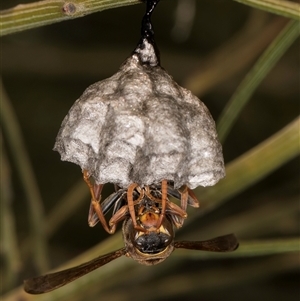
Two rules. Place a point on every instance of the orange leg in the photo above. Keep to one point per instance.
(131, 204)
(176, 210)
(184, 197)
(195, 203)
(164, 194)
(177, 214)
(95, 191)
(93, 218)
(150, 196)
(188, 197)
(118, 216)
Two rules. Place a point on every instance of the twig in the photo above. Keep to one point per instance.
(26, 16)
(36, 14)
(18, 150)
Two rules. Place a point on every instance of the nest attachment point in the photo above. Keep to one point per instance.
(139, 126)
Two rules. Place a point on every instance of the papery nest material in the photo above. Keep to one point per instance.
(139, 126)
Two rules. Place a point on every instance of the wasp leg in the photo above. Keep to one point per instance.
(177, 214)
(131, 203)
(118, 216)
(164, 195)
(147, 191)
(184, 197)
(188, 197)
(192, 200)
(115, 201)
(93, 217)
(95, 207)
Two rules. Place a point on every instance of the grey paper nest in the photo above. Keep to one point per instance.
(139, 126)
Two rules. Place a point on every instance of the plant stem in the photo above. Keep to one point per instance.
(284, 8)
(10, 253)
(21, 159)
(247, 87)
(36, 14)
(250, 167)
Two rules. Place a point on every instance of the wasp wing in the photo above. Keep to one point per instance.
(224, 243)
(115, 201)
(49, 282)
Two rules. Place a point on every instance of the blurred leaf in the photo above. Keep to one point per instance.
(284, 8)
(255, 76)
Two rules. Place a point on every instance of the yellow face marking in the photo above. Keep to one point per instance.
(149, 220)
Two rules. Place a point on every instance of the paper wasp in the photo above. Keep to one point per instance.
(148, 230)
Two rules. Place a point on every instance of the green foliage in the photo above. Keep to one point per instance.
(41, 197)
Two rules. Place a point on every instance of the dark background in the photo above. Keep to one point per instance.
(45, 70)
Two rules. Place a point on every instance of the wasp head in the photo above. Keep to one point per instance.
(151, 246)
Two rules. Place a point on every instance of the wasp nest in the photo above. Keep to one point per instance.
(139, 126)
